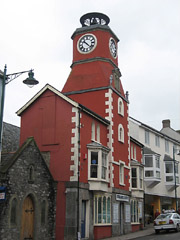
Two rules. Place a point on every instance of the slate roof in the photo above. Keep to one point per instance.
(10, 138)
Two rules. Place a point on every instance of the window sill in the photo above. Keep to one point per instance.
(102, 224)
(122, 184)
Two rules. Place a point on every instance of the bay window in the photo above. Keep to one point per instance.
(152, 166)
(97, 162)
(169, 172)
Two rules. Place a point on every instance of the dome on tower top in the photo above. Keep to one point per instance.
(93, 19)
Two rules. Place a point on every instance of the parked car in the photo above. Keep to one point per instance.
(167, 221)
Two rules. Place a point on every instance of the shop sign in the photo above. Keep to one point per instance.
(2, 193)
(122, 198)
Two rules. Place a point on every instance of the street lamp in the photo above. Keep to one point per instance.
(174, 152)
(4, 80)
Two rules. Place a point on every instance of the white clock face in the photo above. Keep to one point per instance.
(87, 43)
(113, 47)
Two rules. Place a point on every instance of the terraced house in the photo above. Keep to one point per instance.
(161, 165)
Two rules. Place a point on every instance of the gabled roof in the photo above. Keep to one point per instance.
(46, 87)
(64, 97)
(12, 160)
(160, 133)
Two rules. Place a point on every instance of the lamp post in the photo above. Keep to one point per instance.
(175, 185)
(4, 80)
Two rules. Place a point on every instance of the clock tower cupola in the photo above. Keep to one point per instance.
(95, 55)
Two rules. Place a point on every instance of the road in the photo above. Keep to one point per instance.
(162, 236)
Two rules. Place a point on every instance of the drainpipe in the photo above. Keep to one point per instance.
(78, 190)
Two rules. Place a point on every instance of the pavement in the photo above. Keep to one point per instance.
(148, 230)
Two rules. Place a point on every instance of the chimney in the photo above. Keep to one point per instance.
(166, 123)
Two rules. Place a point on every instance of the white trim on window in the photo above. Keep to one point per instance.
(120, 107)
(120, 133)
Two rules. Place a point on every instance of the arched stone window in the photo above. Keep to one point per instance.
(120, 107)
(13, 212)
(31, 174)
(120, 133)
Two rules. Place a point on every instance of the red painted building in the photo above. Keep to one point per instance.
(83, 132)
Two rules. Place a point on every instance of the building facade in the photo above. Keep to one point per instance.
(161, 166)
(84, 133)
(27, 192)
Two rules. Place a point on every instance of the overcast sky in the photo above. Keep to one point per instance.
(37, 34)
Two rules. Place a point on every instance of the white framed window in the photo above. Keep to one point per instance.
(94, 165)
(102, 209)
(134, 179)
(134, 152)
(167, 146)
(121, 173)
(152, 166)
(147, 139)
(104, 166)
(120, 107)
(120, 133)
(134, 211)
(93, 131)
(169, 172)
(157, 141)
(131, 151)
(98, 133)
(97, 162)
(141, 178)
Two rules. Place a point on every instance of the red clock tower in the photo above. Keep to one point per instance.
(95, 82)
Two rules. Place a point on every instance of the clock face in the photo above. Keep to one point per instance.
(113, 47)
(87, 43)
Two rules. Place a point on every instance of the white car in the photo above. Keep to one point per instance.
(167, 221)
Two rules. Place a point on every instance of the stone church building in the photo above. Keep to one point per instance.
(27, 190)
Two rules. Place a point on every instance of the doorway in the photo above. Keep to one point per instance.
(27, 221)
(83, 219)
(121, 218)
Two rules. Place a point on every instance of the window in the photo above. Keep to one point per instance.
(157, 141)
(13, 218)
(134, 152)
(102, 209)
(94, 164)
(169, 171)
(93, 131)
(120, 133)
(98, 162)
(104, 165)
(140, 178)
(134, 211)
(167, 146)
(121, 173)
(31, 174)
(152, 165)
(147, 140)
(134, 177)
(98, 133)
(120, 107)
(131, 151)
(43, 212)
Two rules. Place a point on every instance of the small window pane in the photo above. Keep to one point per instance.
(148, 161)
(169, 178)
(149, 174)
(169, 168)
